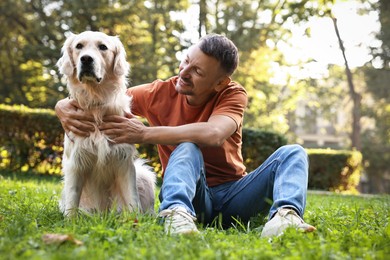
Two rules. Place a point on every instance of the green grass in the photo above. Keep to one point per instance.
(349, 227)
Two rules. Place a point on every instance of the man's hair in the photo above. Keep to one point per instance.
(222, 49)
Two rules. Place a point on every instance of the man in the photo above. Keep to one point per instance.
(196, 119)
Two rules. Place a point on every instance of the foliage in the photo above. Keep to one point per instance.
(30, 139)
(334, 170)
(154, 37)
(35, 30)
(376, 139)
(323, 98)
(150, 154)
(269, 102)
(30, 41)
(376, 147)
(258, 146)
(28, 146)
(348, 227)
(258, 28)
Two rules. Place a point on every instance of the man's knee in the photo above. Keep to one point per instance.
(187, 146)
(293, 149)
(187, 149)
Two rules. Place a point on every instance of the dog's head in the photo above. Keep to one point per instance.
(93, 57)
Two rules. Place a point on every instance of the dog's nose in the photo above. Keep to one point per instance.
(86, 59)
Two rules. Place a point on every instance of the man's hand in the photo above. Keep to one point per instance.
(73, 118)
(123, 129)
(130, 130)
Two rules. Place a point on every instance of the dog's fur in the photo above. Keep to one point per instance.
(98, 175)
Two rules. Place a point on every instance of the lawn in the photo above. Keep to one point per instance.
(348, 227)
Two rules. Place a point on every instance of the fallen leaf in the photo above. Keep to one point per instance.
(59, 239)
(135, 223)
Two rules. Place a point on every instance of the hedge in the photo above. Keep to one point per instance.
(334, 170)
(258, 145)
(31, 140)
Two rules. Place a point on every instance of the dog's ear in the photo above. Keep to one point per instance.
(65, 63)
(121, 66)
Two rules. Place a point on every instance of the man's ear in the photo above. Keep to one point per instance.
(223, 82)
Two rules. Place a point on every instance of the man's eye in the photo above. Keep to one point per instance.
(102, 47)
(79, 46)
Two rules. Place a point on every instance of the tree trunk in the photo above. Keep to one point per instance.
(202, 18)
(356, 97)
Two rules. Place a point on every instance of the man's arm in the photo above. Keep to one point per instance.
(73, 118)
(131, 130)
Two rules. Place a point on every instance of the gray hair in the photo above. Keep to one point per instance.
(222, 49)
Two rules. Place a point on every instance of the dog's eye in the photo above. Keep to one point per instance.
(79, 46)
(102, 47)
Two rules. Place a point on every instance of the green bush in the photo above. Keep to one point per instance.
(31, 140)
(334, 170)
(258, 145)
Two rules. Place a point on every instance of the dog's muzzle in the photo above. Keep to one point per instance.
(87, 69)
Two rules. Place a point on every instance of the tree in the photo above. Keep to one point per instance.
(26, 54)
(355, 96)
(376, 141)
(257, 27)
(36, 29)
(145, 28)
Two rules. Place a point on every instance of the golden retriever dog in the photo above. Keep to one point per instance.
(99, 175)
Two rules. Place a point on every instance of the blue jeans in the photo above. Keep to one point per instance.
(281, 181)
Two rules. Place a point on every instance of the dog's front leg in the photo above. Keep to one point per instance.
(72, 193)
(135, 203)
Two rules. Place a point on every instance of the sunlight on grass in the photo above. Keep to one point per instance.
(348, 227)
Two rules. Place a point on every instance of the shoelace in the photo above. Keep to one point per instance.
(285, 213)
(178, 220)
(173, 214)
(303, 225)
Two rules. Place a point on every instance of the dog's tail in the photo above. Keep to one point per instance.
(146, 183)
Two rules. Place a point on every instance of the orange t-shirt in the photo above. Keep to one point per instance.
(162, 105)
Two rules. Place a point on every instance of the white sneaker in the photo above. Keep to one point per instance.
(178, 221)
(283, 219)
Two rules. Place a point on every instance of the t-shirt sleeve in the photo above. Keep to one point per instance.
(141, 96)
(232, 103)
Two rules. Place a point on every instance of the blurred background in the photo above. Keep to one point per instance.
(317, 72)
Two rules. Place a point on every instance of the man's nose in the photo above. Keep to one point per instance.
(184, 72)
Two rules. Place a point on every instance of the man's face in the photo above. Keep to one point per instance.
(199, 76)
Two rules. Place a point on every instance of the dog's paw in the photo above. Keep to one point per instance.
(71, 213)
